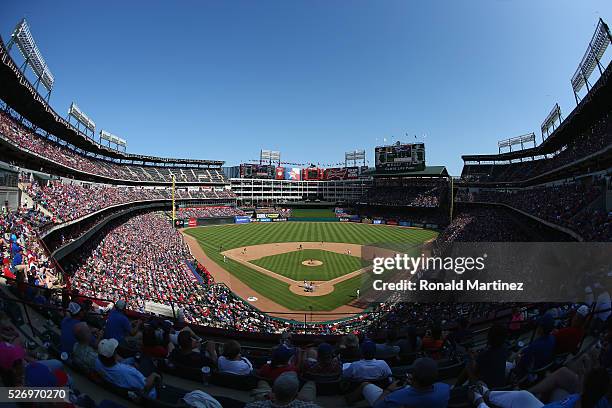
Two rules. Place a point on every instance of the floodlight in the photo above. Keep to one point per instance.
(76, 113)
(592, 57)
(28, 48)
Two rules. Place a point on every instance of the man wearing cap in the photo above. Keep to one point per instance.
(286, 393)
(541, 350)
(568, 338)
(325, 364)
(120, 374)
(423, 390)
(368, 368)
(73, 317)
(279, 364)
(118, 326)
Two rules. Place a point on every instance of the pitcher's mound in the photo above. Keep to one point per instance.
(312, 262)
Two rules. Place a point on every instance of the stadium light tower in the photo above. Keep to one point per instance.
(81, 118)
(110, 138)
(553, 117)
(526, 138)
(269, 157)
(22, 38)
(354, 156)
(592, 58)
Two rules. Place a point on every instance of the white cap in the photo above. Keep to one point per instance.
(583, 310)
(107, 347)
(74, 308)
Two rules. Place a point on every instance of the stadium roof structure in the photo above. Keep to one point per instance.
(22, 96)
(592, 105)
(428, 171)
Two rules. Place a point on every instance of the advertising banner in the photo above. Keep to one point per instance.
(242, 219)
(272, 215)
(280, 173)
(391, 222)
(193, 222)
(343, 219)
(265, 220)
(352, 172)
(404, 223)
(377, 222)
(293, 173)
(279, 219)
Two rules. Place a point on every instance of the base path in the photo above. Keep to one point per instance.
(264, 303)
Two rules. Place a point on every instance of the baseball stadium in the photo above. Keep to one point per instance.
(147, 280)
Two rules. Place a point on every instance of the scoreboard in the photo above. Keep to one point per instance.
(257, 171)
(400, 157)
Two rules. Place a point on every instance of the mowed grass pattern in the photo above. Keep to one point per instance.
(215, 239)
(290, 264)
(312, 213)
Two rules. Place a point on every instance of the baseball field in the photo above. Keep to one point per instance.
(275, 259)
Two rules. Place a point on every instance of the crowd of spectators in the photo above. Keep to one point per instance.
(596, 138)
(407, 193)
(209, 212)
(569, 205)
(68, 201)
(130, 264)
(27, 139)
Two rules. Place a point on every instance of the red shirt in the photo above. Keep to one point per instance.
(568, 339)
(155, 351)
(272, 373)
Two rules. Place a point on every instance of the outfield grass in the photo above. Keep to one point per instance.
(215, 239)
(313, 213)
(290, 264)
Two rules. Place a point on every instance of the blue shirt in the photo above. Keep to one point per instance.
(123, 376)
(17, 259)
(572, 400)
(408, 396)
(67, 338)
(117, 326)
(539, 353)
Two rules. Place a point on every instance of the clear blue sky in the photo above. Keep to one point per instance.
(313, 79)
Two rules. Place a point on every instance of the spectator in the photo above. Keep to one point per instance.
(423, 390)
(74, 316)
(541, 350)
(279, 364)
(118, 326)
(433, 341)
(232, 361)
(121, 374)
(324, 365)
(83, 354)
(367, 369)
(568, 339)
(184, 354)
(285, 392)
(490, 365)
(348, 348)
(388, 349)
